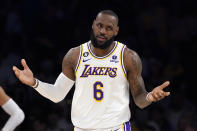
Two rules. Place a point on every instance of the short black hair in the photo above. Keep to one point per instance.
(109, 12)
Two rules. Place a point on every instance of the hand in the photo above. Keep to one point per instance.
(26, 75)
(157, 93)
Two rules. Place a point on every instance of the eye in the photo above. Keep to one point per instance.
(109, 28)
(99, 25)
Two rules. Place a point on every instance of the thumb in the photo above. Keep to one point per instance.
(166, 93)
(16, 71)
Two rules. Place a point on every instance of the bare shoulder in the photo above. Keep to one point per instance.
(3, 96)
(132, 60)
(1, 91)
(69, 62)
(130, 52)
(71, 57)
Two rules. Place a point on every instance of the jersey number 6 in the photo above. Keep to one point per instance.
(98, 93)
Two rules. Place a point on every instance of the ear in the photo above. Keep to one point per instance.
(93, 24)
(116, 30)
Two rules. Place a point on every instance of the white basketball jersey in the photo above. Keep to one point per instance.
(101, 97)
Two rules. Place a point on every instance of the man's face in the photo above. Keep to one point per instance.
(104, 30)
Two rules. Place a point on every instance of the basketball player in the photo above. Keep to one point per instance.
(104, 71)
(9, 106)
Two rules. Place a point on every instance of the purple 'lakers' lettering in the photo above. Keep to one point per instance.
(95, 71)
(107, 71)
(89, 71)
(102, 70)
(86, 66)
(113, 73)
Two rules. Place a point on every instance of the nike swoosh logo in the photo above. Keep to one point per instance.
(117, 129)
(86, 60)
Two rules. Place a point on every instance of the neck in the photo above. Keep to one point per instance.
(101, 52)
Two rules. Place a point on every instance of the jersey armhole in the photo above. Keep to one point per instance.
(122, 61)
(79, 59)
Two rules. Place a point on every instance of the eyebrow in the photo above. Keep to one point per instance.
(111, 24)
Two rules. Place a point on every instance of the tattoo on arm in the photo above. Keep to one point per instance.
(136, 82)
(69, 62)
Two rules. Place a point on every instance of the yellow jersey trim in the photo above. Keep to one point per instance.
(123, 127)
(104, 57)
(79, 60)
(122, 62)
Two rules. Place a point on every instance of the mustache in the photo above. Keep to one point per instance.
(101, 36)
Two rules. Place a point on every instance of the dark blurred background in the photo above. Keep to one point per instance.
(163, 33)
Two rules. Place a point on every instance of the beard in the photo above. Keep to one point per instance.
(99, 45)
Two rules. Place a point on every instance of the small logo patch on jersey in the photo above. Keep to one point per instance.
(86, 60)
(114, 59)
(85, 54)
(117, 129)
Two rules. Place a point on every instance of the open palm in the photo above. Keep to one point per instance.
(25, 75)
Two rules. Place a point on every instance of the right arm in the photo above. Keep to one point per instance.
(10, 107)
(54, 92)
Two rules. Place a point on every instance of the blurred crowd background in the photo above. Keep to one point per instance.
(162, 32)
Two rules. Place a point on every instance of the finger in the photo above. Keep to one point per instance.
(155, 97)
(15, 68)
(16, 71)
(165, 84)
(23, 62)
(161, 94)
(166, 93)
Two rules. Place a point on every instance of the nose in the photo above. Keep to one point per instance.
(102, 31)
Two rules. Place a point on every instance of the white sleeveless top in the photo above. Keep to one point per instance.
(101, 96)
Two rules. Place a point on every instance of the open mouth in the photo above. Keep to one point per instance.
(100, 38)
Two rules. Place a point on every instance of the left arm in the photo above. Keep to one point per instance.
(141, 97)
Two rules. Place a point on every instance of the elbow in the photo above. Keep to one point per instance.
(20, 116)
(57, 100)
